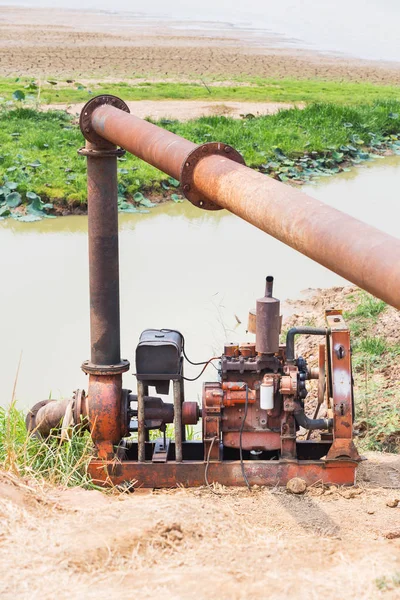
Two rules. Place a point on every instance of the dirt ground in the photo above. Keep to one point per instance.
(226, 543)
(57, 43)
(188, 109)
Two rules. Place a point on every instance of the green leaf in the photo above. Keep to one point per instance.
(32, 196)
(176, 198)
(127, 207)
(5, 211)
(52, 82)
(174, 182)
(26, 218)
(11, 185)
(13, 200)
(35, 164)
(164, 185)
(10, 169)
(140, 199)
(18, 95)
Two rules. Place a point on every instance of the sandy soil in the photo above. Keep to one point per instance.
(188, 109)
(226, 543)
(57, 43)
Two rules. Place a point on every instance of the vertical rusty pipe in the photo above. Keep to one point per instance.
(103, 256)
(141, 422)
(105, 367)
(178, 420)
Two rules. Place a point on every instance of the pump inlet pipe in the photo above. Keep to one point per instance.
(213, 176)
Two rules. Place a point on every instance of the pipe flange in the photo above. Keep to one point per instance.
(189, 164)
(30, 421)
(92, 369)
(85, 119)
(80, 410)
(102, 152)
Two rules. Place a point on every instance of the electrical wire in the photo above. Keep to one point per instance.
(240, 438)
(203, 369)
(196, 364)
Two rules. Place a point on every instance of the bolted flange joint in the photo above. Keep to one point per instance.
(91, 369)
(190, 163)
(85, 120)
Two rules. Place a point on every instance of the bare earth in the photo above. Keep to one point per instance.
(183, 544)
(59, 43)
(188, 109)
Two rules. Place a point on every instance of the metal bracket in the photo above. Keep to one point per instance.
(85, 121)
(161, 448)
(190, 163)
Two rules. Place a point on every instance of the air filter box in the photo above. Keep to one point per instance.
(159, 358)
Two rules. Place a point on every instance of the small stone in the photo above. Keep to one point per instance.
(296, 485)
(370, 512)
(392, 535)
(392, 503)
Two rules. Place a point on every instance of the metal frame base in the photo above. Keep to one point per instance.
(191, 472)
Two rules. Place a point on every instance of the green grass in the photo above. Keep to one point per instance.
(241, 89)
(59, 463)
(38, 150)
(377, 396)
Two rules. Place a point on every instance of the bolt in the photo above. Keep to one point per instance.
(204, 149)
(201, 203)
(186, 187)
(87, 129)
(187, 164)
(227, 149)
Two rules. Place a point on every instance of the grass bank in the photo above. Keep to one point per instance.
(39, 163)
(241, 89)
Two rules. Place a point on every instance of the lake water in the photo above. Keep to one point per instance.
(175, 273)
(361, 28)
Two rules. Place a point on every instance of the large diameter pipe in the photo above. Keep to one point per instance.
(358, 252)
(151, 143)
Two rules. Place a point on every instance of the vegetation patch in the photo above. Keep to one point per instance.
(241, 89)
(39, 165)
(53, 460)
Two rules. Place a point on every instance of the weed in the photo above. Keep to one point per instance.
(44, 459)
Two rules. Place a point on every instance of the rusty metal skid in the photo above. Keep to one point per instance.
(192, 473)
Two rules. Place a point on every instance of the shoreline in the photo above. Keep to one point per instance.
(98, 44)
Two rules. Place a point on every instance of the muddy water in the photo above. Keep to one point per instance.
(180, 268)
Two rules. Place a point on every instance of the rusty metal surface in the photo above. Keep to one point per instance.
(358, 252)
(154, 145)
(85, 121)
(191, 473)
(46, 415)
(178, 400)
(104, 408)
(342, 388)
(190, 163)
(103, 260)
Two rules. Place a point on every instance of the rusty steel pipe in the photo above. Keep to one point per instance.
(354, 250)
(154, 145)
(103, 256)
